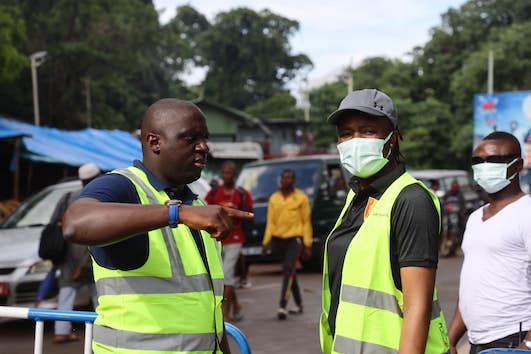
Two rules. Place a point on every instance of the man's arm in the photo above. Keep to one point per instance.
(91, 222)
(456, 330)
(270, 224)
(417, 285)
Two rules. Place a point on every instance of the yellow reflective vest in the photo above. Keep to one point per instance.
(172, 303)
(370, 312)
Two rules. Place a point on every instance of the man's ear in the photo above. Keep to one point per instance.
(519, 165)
(153, 141)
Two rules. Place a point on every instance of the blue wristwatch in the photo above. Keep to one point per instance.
(173, 209)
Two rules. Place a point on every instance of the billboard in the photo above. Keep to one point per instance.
(505, 111)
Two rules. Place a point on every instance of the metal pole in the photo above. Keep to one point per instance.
(39, 336)
(36, 115)
(350, 83)
(36, 60)
(89, 330)
(490, 76)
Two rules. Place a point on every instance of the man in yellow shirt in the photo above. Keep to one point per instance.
(289, 232)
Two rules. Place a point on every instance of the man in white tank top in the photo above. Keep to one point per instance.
(495, 287)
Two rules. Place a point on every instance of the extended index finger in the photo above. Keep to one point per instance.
(239, 214)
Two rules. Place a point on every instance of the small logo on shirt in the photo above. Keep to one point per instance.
(371, 203)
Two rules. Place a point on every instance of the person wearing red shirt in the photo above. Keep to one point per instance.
(232, 196)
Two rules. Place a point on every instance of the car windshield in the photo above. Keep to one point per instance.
(35, 211)
(262, 180)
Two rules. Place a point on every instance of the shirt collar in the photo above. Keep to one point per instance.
(186, 195)
(381, 183)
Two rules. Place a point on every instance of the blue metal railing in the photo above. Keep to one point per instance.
(41, 315)
(503, 351)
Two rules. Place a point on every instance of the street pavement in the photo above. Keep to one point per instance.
(265, 333)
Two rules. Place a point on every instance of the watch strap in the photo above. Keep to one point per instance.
(173, 211)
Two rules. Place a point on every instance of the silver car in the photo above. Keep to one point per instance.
(21, 268)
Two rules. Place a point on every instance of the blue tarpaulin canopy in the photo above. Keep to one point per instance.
(6, 133)
(109, 149)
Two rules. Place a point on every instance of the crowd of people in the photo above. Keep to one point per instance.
(157, 250)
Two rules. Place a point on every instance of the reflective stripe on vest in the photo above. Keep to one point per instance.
(351, 346)
(129, 284)
(368, 293)
(147, 341)
(379, 300)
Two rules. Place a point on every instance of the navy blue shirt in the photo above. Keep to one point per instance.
(132, 252)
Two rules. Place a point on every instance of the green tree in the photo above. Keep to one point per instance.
(108, 48)
(180, 50)
(511, 73)
(325, 100)
(391, 76)
(425, 129)
(462, 32)
(248, 56)
(281, 105)
(12, 32)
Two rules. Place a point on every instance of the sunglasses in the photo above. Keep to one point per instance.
(493, 159)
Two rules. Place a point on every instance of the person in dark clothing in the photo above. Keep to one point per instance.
(381, 257)
(76, 270)
(453, 204)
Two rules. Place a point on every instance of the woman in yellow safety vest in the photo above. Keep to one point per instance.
(381, 256)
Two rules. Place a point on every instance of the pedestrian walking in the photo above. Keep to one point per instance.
(155, 246)
(230, 195)
(494, 305)
(381, 257)
(289, 234)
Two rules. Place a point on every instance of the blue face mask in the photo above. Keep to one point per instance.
(492, 177)
(363, 157)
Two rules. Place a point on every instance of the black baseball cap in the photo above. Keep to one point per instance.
(370, 101)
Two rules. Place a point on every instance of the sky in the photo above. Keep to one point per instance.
(338, 33)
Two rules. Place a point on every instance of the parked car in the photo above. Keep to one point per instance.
(21, 268)
(319, 176)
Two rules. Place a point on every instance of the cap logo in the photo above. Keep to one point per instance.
(376, 106)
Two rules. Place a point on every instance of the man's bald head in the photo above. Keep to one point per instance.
(162, 112)
(509, 138)
(174, 141)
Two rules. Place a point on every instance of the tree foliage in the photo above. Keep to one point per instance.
(107, 49)
(325, 100)
(12, 31)
(281, 105)
(248, 56)
(434, 92)
(108, 59)
(116, 53)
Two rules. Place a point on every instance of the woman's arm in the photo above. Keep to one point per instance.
(417, 286)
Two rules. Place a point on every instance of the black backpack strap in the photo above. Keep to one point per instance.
(243, 197)
(59, 211)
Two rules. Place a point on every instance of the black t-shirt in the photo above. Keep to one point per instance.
(414, 232)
